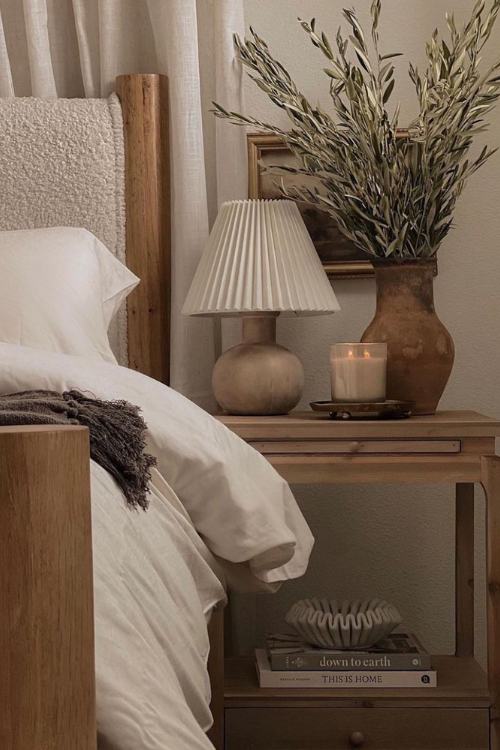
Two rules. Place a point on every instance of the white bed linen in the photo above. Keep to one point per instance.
(155, 580)
(154, 586)
(244, 511)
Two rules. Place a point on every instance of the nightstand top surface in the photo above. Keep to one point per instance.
(311, 425)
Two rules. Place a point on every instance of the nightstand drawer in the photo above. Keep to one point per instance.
(354, 447)
(344, 729)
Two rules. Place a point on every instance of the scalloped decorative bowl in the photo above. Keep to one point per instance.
(343, 625)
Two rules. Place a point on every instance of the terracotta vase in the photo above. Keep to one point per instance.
(420, 349)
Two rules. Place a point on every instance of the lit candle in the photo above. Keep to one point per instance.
(358, 372)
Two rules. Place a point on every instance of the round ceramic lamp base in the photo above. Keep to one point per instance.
(258, 377)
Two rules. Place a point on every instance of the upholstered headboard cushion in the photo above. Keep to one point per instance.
(62, 164)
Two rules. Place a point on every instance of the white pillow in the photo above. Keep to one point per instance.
(59, 290)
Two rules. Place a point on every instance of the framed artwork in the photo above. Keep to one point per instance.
(340, 257)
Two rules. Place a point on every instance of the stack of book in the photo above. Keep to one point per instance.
(399, 661)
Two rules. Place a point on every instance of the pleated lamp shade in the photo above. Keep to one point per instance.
(260, 257)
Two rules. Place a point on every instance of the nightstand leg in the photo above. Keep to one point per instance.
(490, 472)
(216, 672)
(464, 570)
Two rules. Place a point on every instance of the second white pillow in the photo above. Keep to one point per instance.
(59, 290)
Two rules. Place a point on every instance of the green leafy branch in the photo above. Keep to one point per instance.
(393, 196)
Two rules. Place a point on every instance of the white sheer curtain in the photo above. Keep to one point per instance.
(77, 47)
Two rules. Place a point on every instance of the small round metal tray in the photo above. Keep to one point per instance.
(374, 410)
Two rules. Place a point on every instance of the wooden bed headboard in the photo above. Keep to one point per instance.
(144, 100)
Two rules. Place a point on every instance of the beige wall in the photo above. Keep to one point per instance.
(393, 541)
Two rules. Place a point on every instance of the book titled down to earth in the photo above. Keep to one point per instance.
(398, 651)
(399, 661)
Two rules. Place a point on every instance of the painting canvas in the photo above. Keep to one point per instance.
(339, 256)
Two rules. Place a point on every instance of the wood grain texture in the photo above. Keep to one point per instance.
(308, 425)
(47, 690)
(377, 469)
(144, 99)
(306, 448)
(355, 447)
(479, 446)
(344, 729)
(464, 570)
(216, 672)
(491, 485)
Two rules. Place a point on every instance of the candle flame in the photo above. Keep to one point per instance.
(367, 355)
(350, 353)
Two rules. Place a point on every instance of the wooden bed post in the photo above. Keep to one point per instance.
(144, 100)
(47, 685)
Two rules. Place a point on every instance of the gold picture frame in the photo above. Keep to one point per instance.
(340, 257)
(271, 150)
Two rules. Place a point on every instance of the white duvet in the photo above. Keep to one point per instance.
(153, 587)
(213, 502)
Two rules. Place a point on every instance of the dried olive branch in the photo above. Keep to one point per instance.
(393, 197)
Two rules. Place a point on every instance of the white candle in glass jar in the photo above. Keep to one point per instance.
(358, 372)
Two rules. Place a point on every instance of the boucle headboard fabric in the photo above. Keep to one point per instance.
(62, 164)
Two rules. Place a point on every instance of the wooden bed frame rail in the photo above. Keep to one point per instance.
(47, 688)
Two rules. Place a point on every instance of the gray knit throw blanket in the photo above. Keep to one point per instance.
(117, 432)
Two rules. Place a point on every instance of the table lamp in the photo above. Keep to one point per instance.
(259, 262)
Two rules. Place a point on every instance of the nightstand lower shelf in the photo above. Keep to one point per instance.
(453, 716)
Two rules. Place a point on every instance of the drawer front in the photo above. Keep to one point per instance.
(355, 447)
(345, 729)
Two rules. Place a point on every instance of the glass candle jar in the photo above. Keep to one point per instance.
(358, 372)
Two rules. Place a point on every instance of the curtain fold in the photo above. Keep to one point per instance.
(39, 58)
(6, 83)
(230, 140)
(86, 17)
(77, 47)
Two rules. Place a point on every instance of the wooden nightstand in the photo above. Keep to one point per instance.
(463, 712)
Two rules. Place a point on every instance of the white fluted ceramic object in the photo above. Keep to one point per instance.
(343, 625)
